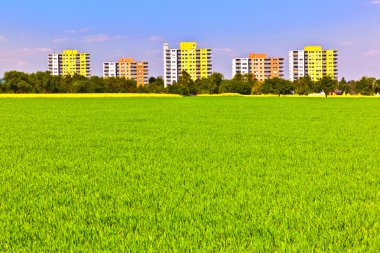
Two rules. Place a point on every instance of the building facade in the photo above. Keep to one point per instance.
(110, 69)
(314, 62)
(197, 62)
(70, 62)
(127, 68)
(260, 66)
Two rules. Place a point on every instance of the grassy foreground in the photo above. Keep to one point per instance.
(209, 174)
(89, 95)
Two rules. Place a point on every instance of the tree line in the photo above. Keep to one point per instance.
(44, 82)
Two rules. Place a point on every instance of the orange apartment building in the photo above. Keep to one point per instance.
(128, 68)
(260, 65)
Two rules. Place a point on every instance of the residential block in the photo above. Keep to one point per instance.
(313, 61)
(197, 62)
(69, 62)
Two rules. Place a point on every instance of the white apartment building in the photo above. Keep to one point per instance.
(171, 68)
(241, 66)
(296, 64)
(54, 64)
(110, 69)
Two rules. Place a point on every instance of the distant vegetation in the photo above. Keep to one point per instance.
(44, 82)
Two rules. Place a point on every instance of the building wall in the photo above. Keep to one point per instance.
(196, 62)
(54, 63)
(314, 62)
(128, 68)
(189, 58)
(241, 66)
(70, 62)
(260, 66)
(84, 64)
(110, 69)
(142, 73)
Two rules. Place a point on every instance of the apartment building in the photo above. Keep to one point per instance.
(260, 66)
(110, 69)
(197, 62)
(313, 61)
(128, 68)
(69, 62)
(241, 66)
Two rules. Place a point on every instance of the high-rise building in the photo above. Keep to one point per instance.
(260, 66)
(314, 62)
(197, 62)
(69, 62)
(110, 69)
(241, 66)
(128, 68)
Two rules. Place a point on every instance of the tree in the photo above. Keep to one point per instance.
(344, 86)
(152, 80)
(256, 87)
(366, 86)
(327, 84)
(17, 82)
(215, 82)
(186, 84)
(156, 86)
(238, 77)
(377, 88)
(304, 86)
(277, 86)
(235, 86)
(97, 84)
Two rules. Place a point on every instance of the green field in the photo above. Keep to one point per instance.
(211, 174)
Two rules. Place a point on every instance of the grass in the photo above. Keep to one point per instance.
(90, 95)
(207, 174)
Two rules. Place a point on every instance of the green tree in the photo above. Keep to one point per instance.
(344, 86)
(238, 77)
(327, 84)
(156, 86)
(304, 86)
(97, 84)
(366, 86)
(235, 86)
(186, 84)
(152, 80)
(215, 82)
(277, 86)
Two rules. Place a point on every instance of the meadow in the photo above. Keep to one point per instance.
(191, 174)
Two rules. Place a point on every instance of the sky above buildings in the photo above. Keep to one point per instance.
(112, 29)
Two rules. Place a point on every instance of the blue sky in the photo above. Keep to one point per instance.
(111, 29)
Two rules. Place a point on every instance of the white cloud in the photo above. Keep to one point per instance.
(375, 2)
(101, 38)
(224, 50)
(61, 40)
(96, 38)
(156, 38)
(2, 38)
(347, 44)
(82, 30)
(70, 31)
(37, 50)
(373, 52)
